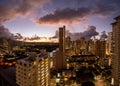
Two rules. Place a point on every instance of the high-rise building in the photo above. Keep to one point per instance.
(91, 46)
(59, 58)
(116, 52)
(62, 39)
(68, 43)
(33, 71)
(79, 46)
(109, 43)
(100, 50)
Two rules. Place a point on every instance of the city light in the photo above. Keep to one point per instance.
(59, 43)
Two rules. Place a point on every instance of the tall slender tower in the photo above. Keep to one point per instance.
(62, 47)
(59, 59)
(62, 39)
(116, 52)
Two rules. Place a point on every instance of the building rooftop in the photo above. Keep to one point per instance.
(27, 60)
(117, 18)
(32, 59)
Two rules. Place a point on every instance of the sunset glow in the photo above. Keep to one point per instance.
(46, 39)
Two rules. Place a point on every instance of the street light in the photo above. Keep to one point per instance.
(65, 79)
(57, 80)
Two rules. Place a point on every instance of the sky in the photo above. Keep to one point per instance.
(28, 18)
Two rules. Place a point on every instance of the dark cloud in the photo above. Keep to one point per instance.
(6, 13)
(14, 8)
(90, 32)
(104, 9)
(68, 15)
(65, 15)
(19, 8)
(82, 11)
(5, 33)
(103, 35)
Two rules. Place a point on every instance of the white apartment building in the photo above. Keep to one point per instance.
(33, 71)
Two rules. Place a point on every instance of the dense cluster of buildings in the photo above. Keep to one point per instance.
(98, 57)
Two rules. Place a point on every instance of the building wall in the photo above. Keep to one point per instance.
(109, 43)
(25, 73)
(100, 50)
(68, 43)
(59, 56)
(33, 73)
(116, 52)
(42, 71)
(62, 39)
